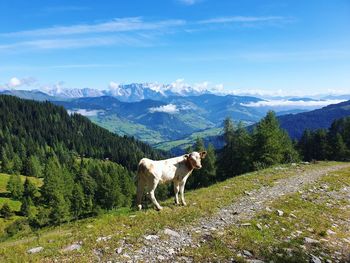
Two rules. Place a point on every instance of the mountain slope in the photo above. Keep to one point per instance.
(29, 94)
(157, 121)
(295, 124)
(43, 124)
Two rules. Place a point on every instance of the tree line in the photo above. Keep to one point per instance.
(30, 131)
(331, 144)
(84, 189)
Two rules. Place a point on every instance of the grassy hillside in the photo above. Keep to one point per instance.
(188, 141)
(127, 226)
(14, 205)
(123, 127)
(315, 221)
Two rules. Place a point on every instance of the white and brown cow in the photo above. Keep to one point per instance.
(150, 173)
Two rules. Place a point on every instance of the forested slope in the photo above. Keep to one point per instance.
(34, 128)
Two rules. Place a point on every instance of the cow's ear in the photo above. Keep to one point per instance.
(203, 154)
(186, 156)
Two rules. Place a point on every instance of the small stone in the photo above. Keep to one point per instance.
(103, 238)
(132, 216)
(268, 209)
(309, 240)
(259, 226)
(254, 261)
(119, 250)
(89, 226)
(35, 250)
(150, 237)
(310, 229)
(246, 224)
(247, 253)
(247, 193)
(283, 229)
(160, 257)
(315, 259)
(72, 247)
(292, 215)
(330, 232)
(171, 251)
(280, 213)
(170, 232)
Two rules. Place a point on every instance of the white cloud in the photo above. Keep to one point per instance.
(203, 86)
(189, 2)
(116, 25)
(113, 85)
(170, 108)
(74, 43)
(179, 86)
(241, 19)
(84, 112)
(14, 82)
(299, 103)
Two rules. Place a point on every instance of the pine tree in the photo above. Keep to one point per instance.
(208, 171)
(53, 192)
(25, 207)
(339, 150)
(59, 209)
(271, 145)
(15, 186)
(78, 201)
(30, 191)
(6, 211)
(17, 164)
(305, 146)
(225, 155)
(33, 167)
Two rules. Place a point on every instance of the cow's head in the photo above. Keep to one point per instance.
(194, 158)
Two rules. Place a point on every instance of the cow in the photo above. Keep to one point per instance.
(150, 173)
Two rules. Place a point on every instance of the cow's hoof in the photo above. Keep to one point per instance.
(159, 208)
(139, 207)
(184, 204)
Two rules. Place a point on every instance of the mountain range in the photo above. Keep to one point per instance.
(168, 116)
(158, 121)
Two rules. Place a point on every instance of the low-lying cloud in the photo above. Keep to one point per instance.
(284, 103)
(85, 112)
(170, 108)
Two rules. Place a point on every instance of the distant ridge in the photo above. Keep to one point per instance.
(295, 124)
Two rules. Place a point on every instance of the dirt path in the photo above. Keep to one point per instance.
(166, 245)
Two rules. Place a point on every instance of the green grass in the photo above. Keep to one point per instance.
(5, 177)
(129, 224)
(14, 204)
(278, 240)
(188, 141)
(125, 127)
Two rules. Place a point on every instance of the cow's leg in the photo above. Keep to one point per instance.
(153, 198)
(140, 189)
(182, 191)
(176, 191)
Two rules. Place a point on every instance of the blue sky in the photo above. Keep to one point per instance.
(278, 47)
